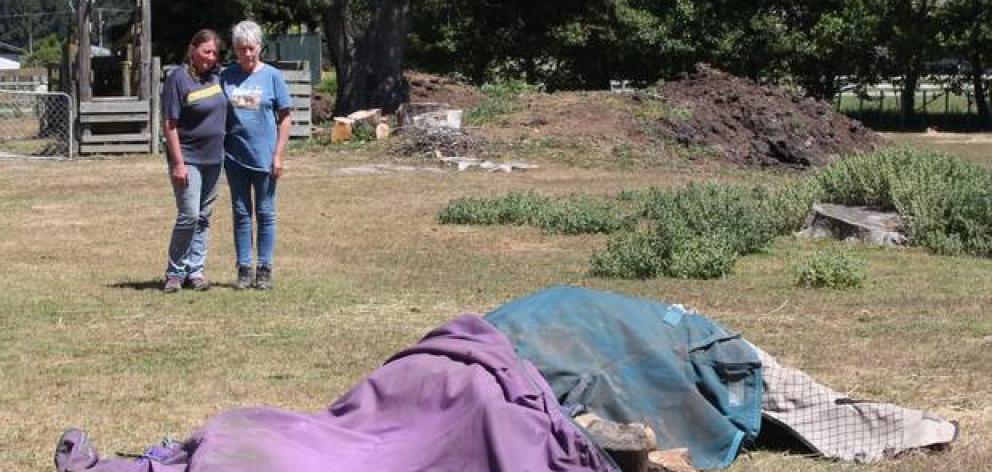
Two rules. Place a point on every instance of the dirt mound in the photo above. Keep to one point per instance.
(432, 88)
(753, 124)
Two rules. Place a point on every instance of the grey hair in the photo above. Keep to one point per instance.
(246, 32)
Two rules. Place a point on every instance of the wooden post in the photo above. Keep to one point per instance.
(155, 115)
(145, 55)
(925, 102)
(881, 104)
(126, 67)
(83, 50)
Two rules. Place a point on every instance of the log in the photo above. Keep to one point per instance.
(342, 130)
(369, 118)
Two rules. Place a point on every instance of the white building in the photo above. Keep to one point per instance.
(10, 56)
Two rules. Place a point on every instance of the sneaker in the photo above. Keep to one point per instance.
(173, 284)
(198, 283)
(263, 278)
(246, 276)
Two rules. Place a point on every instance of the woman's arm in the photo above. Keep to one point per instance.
(177, 168)
(284, 125)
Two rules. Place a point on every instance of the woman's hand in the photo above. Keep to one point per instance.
(276, 166)
(178, 174)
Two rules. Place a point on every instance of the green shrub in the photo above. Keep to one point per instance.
(628, 255)
(571, 215)
(502, 98)
(706, 256)
(742, 215)
(700, 230)
(328, 83)
(833, 269)
(363, 134)
(516, 208)
(581, 215)
(944, 200)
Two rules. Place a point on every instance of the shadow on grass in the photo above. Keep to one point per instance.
(892, 120)
(156, 285)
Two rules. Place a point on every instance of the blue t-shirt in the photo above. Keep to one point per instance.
(198, 105)
(255, 99)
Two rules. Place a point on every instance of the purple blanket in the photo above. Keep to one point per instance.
(459, 400)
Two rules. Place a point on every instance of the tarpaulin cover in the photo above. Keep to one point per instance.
(632, 360)
(459, 400)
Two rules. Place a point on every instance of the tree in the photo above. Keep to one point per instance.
(47, 51)
(907, 32)
(23, 22)
(830, 39)
(367, 41)
(966, 32)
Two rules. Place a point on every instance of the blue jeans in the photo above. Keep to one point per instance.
(194, 205)
(243, 183)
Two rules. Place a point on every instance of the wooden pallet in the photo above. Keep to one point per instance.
(114, 126)
(297, 75)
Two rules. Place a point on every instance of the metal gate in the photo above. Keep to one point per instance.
(35, 125)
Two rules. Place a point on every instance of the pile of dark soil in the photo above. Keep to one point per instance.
(752, 124)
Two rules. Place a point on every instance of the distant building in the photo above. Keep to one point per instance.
(10, 56)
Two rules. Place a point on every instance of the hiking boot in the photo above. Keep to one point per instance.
(198, 283)
(246, 276)
(173, 284)
(263, 278)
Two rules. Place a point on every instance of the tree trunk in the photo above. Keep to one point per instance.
(907, 97)
(979, 85)
(390, 29)
(369, 64)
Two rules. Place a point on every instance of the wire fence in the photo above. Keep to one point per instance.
(36, 125)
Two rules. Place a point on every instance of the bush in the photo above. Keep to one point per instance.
(501, 99)
(572, 215)
(328, 83)
(744, 216)
(706, 256)
(628, 255)
(945, 201)
(581, 215)
(833, 269)
(700, 230)
(516, 208)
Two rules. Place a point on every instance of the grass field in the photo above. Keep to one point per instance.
(363, 270)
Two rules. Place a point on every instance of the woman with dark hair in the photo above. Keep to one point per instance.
(195, 112)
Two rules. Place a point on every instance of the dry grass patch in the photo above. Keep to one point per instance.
(363, 270)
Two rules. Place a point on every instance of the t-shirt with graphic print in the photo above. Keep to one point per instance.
(198, 105)
(254, 100)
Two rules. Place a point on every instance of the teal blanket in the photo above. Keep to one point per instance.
(698, 385)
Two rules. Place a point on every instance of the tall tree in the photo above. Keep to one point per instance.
(367, 41)
(907, 33)
(830, 39)
(966, 32)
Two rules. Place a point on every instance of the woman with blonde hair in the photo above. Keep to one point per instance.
(195, 113)
(257, 131)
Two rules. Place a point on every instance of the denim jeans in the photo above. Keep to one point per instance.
(245, 184)
(194, 204)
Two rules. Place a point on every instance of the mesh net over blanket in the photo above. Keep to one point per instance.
(841, 428)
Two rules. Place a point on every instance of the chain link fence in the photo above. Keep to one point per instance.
(35, 124)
